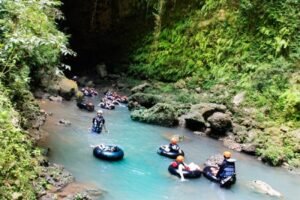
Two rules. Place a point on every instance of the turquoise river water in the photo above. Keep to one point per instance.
(143, 174)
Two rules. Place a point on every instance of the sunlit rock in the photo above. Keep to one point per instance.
(262, 187)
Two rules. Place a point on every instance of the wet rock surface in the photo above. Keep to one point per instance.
(161, 114)
(214, 160)
(264, 188)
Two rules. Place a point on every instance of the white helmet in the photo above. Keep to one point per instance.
(99, 112)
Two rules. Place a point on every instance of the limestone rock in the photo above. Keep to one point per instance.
(220, 123)
(207, 109)
(231, 144)
(249, 148)
(239, 98)
(64, 122)
(161, 114)
(67, 88)
(196, 118)
(56, 98)
(193, 121)
(262, 187)
(140, 88)
(142, 99)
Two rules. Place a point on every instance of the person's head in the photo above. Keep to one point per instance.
(227, 154)
(99, 112)
(180, 159)
(173, 141)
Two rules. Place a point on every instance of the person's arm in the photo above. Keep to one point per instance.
(221, 169)
(180, 171)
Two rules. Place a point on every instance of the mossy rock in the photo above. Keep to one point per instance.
(142, 99)
(67, 88)
(161, 114)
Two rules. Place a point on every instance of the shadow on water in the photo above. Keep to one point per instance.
(142, 174)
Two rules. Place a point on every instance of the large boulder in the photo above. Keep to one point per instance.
(207, 109)
(138, 100)
(67, 88)
(262, 187)
(161, 114)
(231, 144)
(193, 121)
(196, 118)
(249, 148)
(220, 123)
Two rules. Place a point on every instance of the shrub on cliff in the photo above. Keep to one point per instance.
(30, 47)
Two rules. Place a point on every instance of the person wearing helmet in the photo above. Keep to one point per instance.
(180, 165)
(227, 168)
(173, 146)
(99, 122)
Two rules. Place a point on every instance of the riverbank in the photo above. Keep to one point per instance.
(54, 180)
(218, 114)
(190, 112)
(142, 174)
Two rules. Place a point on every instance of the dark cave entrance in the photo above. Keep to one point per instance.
(103, 32)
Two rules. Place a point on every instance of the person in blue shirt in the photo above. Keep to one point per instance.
(173, 146)
(99, 122)
(227, 168)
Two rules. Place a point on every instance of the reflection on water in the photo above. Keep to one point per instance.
(142, 174)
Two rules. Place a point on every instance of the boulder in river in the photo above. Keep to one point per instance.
(196, 118)
(55, 98)
(142, 100)
(220, 122)
(160, 114)
(262, 187)
(64, 122)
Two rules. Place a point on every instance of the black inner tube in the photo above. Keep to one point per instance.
(106, 153)
(186, 174)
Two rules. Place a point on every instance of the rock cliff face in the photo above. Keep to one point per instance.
(103, 30)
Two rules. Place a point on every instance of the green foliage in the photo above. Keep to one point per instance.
(251, 44)
(18, 167)
(29, 39)
(30, 47)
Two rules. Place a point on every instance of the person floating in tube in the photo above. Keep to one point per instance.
(227, 168)
(173, 146)
(181, 166)
(99, 122)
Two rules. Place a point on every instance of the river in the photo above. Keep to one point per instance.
(143, 174)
